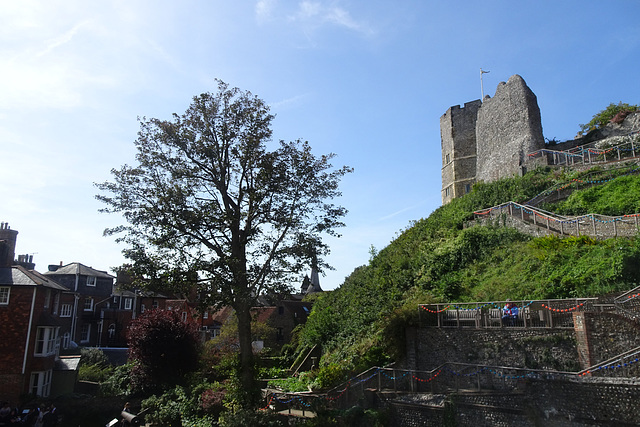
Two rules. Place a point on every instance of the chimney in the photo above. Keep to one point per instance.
(8, 239)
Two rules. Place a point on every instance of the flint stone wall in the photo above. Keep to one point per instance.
(507, 129)
(553, 349)
(561, 402)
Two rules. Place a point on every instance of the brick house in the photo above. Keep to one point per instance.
(32, 323)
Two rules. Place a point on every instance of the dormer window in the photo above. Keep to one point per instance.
(128, 303)
(91, 281)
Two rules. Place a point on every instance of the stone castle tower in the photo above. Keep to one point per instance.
(458, 141)
(486, 141)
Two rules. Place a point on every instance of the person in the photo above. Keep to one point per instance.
(40, 416)
(50, 418)
(5, 414)
(509, 313)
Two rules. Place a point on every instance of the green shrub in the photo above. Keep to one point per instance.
(93, 356)
(96, 373)
(330, 375)
(119, 382)
(603, 117)
(291, 384)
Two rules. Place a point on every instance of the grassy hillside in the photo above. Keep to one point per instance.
(438, 259)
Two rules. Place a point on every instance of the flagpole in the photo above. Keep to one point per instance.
(481, 84)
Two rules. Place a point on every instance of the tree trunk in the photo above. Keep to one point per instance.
(247, 383)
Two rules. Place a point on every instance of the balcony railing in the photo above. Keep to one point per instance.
(551, 313)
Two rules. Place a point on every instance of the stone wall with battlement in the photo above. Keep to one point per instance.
(458, 148)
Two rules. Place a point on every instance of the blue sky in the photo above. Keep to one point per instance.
(367, 80)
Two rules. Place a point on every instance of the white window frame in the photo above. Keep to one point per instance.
(142, 308)
(40, 383)
(155, 303)
(128, 303)
(90, 300)
(85, 332)
(91, 281)
(205, 315)
(5, 292)
(47, 341)
(65, 310)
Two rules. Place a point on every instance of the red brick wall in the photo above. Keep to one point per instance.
(14, 319)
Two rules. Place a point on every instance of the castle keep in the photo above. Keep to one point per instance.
(488, 140)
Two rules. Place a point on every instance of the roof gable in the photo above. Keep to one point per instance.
(19, 276)
(78, 268)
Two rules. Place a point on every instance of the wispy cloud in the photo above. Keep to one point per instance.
(264, 9)
(62, 39)
(289, 101)
(401, 211)
(314, 13)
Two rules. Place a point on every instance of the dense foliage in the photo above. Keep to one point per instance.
(164, 348)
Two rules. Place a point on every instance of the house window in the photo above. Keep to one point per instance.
(280, 335)
(112, 330)
(88, 304)
(46, 341)
(155, 303)
(184, 316)
(91, 281)
(65, 310)
(447, 191)
(85, 333)
(467, 188)
(41, 383)
(205, 315)
(4, 295)
(66, 340)
(280, 310)
(128, 303)
(142, 308)
(447, 159)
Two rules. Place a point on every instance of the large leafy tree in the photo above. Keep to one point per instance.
(214, 202)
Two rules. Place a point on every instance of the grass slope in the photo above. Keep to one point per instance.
(438, 259)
